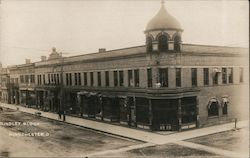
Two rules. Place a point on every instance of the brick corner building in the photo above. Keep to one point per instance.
(162, 85)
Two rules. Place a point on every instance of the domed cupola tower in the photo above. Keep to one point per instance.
(163, 32)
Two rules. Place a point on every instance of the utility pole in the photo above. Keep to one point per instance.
(61, 88)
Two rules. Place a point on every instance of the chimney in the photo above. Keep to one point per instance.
(43, 58)
(27, 61)
(101, 50)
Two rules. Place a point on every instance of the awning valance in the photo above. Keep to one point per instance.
(224, 100)
(86, 93)
(216, 70)
(82, 93)
(212, 100)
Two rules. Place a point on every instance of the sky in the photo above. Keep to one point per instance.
(30, 28)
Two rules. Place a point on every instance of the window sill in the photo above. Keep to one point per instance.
(212, 117)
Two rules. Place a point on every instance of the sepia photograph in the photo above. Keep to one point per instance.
(124, 78)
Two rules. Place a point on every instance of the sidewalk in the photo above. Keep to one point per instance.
(134, 133)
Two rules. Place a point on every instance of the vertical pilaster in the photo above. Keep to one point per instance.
(101, 105)
(135, 113)
(197, 113)
(155, 76)
(16, 98)
(11, 96)
(150, 114)
(179, 114)
(20, 97)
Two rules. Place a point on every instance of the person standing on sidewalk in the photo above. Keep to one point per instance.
(59, 115)
(64, 115)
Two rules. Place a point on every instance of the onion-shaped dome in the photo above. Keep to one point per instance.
(163, 20)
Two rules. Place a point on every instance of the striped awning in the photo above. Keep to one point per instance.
(212, 100)
(82, 93)
(224, 100)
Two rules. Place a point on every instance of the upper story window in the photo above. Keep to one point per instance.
(91, 78)
(85, 78)
(149, 75)
(15, 80)
(224, 75)
(39, 79)
(44, 79)
(163, 77)
(137, 78)
(163, 43)
(149, 43)
(215, 78)
(241, 74)
(177, 43)
(32, 78)
(130, 78)
(68, 79)
(230, 75)
(21, 79)
(121, 80)
(107, 78)
(206, 76)
(178, 77)
(52, 78)
(194, 76)
(115, 78)
(99, 79)
(55, 79)
(27, 78)
(58, 78)
(78, 79)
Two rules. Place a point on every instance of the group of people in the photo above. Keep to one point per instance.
(60, 114)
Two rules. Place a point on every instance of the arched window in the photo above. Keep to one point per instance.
(224, 104)
(213, 108)
(177, 41)
(149, 44)
(224, 109)
(163, 43)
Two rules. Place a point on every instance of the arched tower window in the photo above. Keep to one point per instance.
(177, 41)
(149, 44)
(163, 43)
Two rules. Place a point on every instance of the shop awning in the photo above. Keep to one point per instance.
(224, 100)
(93, 94)
(216, 70)
(82, 93)
(212, 100)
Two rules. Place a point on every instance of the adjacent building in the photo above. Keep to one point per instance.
(162, 85)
